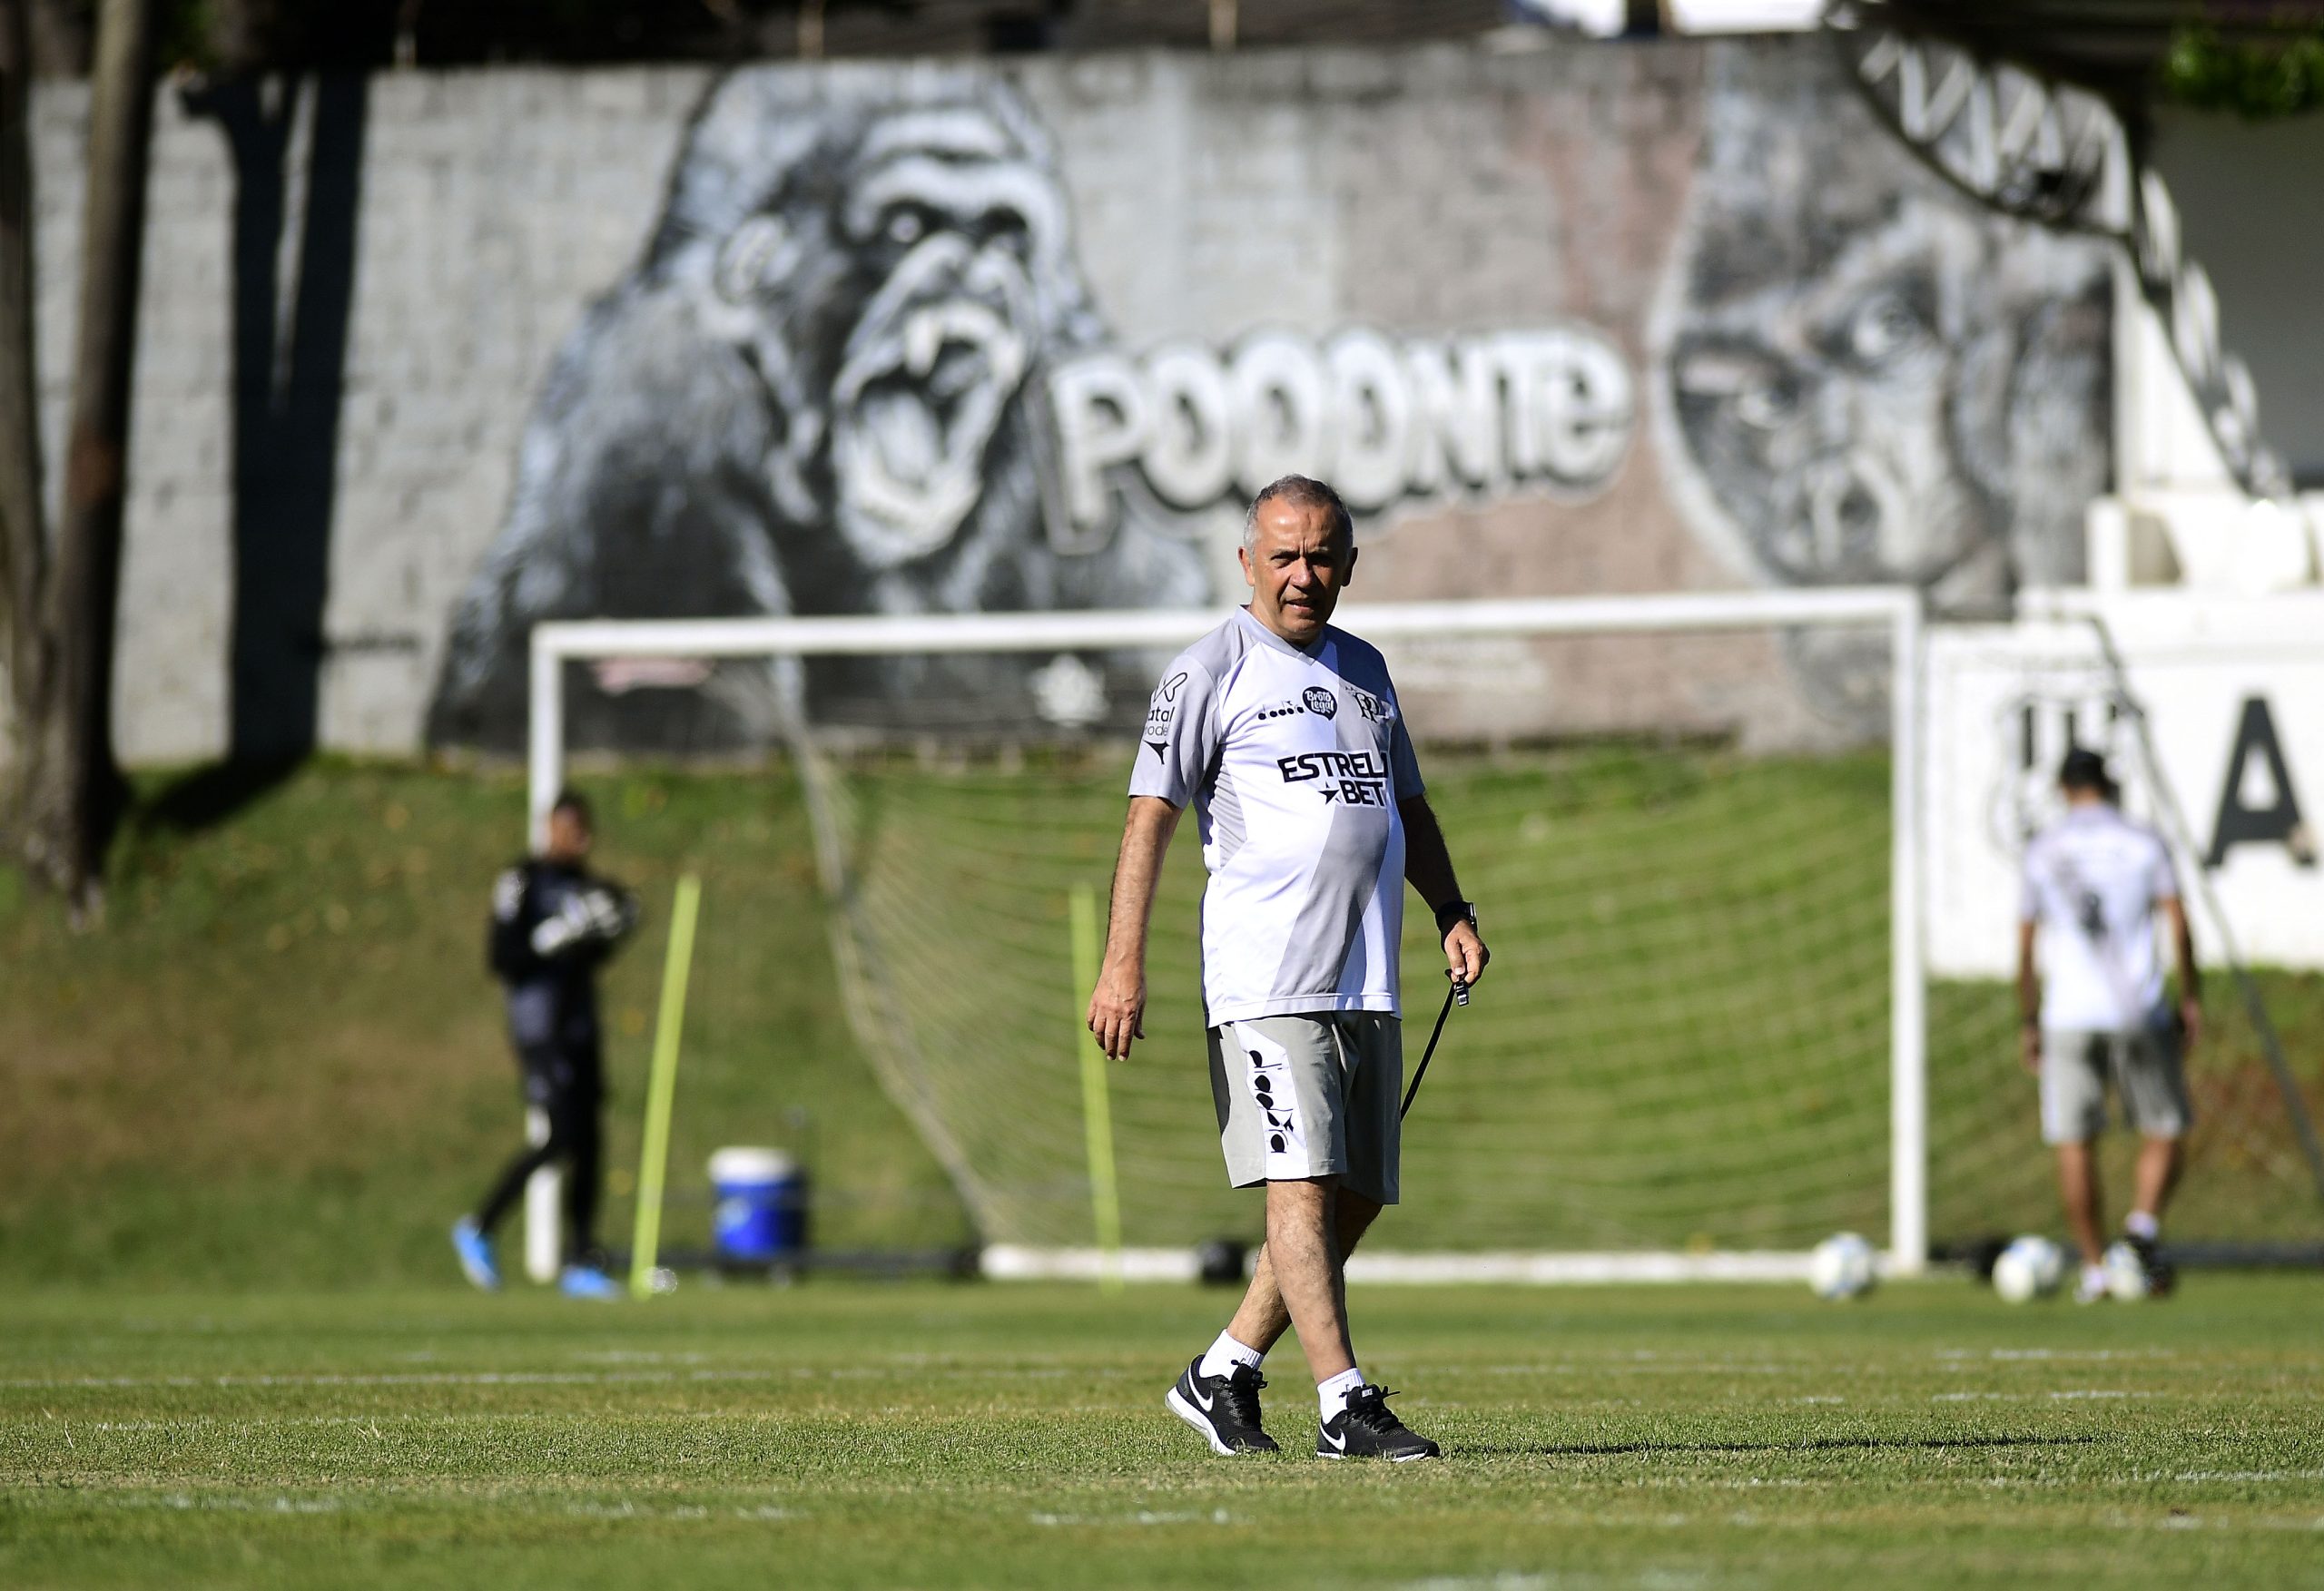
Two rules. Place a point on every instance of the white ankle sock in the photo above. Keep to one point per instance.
(1226, 1353)
(1331, 1396)
(2139, 1224)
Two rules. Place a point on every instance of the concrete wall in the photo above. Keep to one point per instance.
(2247, 211)
(492, 206)
(2225, 685)
(1728, 336)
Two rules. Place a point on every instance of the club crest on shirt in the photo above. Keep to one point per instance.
(1320, 702)
(1375, 709)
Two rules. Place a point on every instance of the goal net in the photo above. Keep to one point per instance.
(1703, 1044)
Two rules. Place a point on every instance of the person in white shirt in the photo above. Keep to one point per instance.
(2090, 988)
(1285, 736)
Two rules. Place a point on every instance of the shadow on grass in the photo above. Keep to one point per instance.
(1813, 1444)
(210, 795)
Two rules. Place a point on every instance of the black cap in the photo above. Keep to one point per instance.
(2085, 769)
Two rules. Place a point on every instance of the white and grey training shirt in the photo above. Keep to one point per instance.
(1295, 760)
(2092, 880)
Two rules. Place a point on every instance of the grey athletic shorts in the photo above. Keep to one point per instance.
(1310, 1095)
(2144, 1066)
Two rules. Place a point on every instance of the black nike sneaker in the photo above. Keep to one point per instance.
(1225, 1409)
(1365, 1429)
(2161, 1275)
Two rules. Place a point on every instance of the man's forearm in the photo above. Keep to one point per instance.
(1145, 839)
(1428, 868)
(2029, 985)
(1428, 863)
(2190, 977)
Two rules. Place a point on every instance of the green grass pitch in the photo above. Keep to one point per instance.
(968, 1435)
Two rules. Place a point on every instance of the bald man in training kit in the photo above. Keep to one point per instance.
(1285, 735)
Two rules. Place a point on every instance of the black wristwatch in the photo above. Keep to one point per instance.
(1452, 912)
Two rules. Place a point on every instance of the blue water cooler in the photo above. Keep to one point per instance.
(760, 1214)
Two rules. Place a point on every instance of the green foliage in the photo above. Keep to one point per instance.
(2259, 79)
(188, 36)
(925, 1436)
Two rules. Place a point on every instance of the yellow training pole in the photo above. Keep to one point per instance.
(1096, 1112)
(653, 1156)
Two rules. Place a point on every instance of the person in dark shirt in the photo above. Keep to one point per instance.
(553, 923)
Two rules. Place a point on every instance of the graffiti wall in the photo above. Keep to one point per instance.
(819, 392)
(923, 338)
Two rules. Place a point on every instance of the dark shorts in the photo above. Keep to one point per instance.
(561, 1076)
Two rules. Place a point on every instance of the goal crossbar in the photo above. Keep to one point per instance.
(1894, 609)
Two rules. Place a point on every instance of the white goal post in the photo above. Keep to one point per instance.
(1895, 610)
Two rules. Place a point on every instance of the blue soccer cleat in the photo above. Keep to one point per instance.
(587, 1282)
(475, 1250)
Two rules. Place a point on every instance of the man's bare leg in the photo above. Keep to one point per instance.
(2078, 1191)
(1303, 1277)
(1299, 1277)
(1261, 1320)
(2158, 1174)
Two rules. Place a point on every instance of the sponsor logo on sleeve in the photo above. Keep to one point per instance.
(1159, 710)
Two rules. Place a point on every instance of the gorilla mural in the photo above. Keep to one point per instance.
(817, 393)
(1866, 377)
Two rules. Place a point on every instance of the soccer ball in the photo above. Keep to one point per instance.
(2126, 1274)
(1841, 1267)
(2051, 1262)
(2030, 1268)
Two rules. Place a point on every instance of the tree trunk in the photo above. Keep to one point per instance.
(23, 539)
(75, 796)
